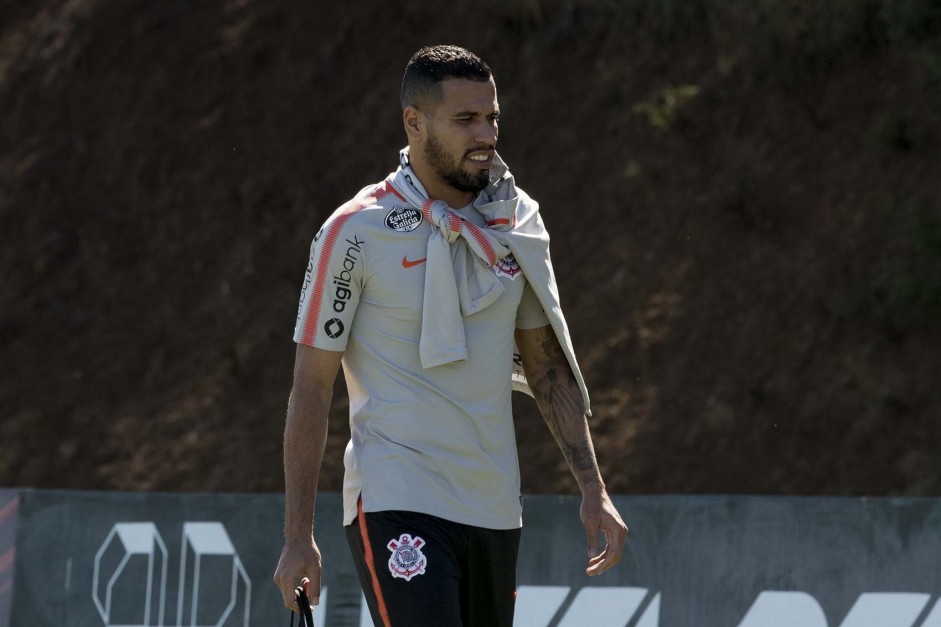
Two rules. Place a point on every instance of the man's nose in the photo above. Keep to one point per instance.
(486, 133)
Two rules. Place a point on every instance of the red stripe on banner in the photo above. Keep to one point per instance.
(8, 510)
(7, 523)
(367, 549)
(312, 319)
(6, 560)
(498, 221)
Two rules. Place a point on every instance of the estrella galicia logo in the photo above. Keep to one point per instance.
(403, 219)
(334, 328)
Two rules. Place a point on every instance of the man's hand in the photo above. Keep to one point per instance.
(599, 515)
(300, 561)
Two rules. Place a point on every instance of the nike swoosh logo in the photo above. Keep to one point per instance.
(411, 264)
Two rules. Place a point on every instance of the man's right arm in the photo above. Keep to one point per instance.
(305, 435)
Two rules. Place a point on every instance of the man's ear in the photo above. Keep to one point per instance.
(414, 122)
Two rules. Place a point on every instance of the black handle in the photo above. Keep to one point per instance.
(303, 607)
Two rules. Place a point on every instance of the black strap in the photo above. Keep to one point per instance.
(303, 606)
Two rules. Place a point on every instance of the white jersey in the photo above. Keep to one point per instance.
(438, 441)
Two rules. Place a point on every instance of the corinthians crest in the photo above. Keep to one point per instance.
(407, 559)
(508, 267)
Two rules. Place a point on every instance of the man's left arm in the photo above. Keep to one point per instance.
(560, 400)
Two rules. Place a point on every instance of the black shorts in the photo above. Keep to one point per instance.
(418, 570)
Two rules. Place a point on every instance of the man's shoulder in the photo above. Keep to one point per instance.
(368, 207)
(527, 213)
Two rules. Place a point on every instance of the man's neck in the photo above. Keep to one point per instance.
(438, 189)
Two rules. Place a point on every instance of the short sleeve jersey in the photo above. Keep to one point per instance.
(438, 441)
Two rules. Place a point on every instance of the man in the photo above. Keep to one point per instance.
(420, 285)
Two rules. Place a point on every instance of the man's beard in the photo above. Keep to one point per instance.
(451, 172)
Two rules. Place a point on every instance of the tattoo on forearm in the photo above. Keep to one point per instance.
(560, 400)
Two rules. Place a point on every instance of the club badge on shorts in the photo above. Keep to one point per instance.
(407, 559)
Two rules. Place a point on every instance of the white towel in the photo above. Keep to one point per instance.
(459, 275)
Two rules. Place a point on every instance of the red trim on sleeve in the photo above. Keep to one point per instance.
(344, 213)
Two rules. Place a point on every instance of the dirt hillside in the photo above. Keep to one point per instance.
(744, 201)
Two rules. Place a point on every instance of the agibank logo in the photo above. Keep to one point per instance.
(343, 280)
(334, 328)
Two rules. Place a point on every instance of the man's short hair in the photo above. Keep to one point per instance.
(421, 85)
